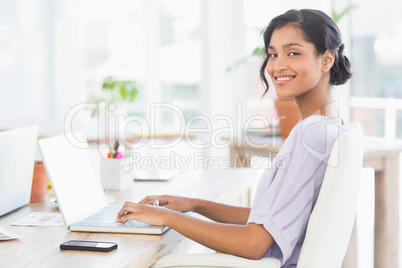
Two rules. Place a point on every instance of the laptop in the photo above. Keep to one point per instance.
(78, 190)
(17, 156)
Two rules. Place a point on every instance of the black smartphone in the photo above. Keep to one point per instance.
(88, 245)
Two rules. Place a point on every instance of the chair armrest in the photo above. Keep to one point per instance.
(213, 260)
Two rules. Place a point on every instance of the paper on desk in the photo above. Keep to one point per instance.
(40, 219)
(7, 235)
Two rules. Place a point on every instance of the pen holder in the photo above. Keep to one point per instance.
(115, 174)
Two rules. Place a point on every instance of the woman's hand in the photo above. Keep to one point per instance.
(143, 213)
(182, 204)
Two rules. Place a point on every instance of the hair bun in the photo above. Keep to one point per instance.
(340, 72)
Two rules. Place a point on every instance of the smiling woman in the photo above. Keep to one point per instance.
(297, 52)
(300, 62)
(275, 226)
(291, 59)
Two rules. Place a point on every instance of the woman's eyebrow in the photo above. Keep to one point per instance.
(292, 44)
(287, 45)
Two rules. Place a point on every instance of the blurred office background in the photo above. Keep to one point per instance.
(54, 54)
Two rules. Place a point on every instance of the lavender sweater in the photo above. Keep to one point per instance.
(287, 192)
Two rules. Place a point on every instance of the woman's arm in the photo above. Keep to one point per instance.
(212, 210)
(251, 241)
(221, 212)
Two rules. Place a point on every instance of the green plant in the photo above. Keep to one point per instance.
(115, 91)
(259, 52)
(337, 16)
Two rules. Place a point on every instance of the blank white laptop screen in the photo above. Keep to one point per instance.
(73, 176)
(17, 156)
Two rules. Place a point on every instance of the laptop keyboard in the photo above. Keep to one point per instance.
(106, 215)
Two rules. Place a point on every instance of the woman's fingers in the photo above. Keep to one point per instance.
(128, 208)
(149, 200)
(143, 213)
(160, 200)
(169, 201)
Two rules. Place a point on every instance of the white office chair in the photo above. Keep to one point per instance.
(330, 224)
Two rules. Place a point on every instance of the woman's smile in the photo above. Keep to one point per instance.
(283, 79)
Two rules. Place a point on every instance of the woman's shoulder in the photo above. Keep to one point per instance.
(313, 134)
(319, 124)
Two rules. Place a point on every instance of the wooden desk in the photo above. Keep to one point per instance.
(39, 246)
(383, 156)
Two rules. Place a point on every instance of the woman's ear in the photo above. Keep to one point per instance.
(328, 59)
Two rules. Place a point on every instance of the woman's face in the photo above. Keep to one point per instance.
(293, 64)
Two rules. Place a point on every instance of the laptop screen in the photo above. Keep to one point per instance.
(17, 157)
(73, 177)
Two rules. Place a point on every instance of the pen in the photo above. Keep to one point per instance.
(121, 152)
(116, 146)
(110, 154)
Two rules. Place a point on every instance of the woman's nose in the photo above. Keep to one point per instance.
(280, 64)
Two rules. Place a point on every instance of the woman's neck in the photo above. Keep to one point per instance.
(317, 102)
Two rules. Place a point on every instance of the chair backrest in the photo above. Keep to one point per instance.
(331, 222)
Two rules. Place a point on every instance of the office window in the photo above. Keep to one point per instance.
(369, 119)
(117, 44)
(55, 54)
(399, 125)
(40, 59)
(377, 66)
(180, 60)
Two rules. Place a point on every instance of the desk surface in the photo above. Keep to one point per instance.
(39, 246)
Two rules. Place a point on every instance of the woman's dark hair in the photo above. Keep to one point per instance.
(320, 30)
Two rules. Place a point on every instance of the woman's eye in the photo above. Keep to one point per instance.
(293, 54)
(272, 55)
